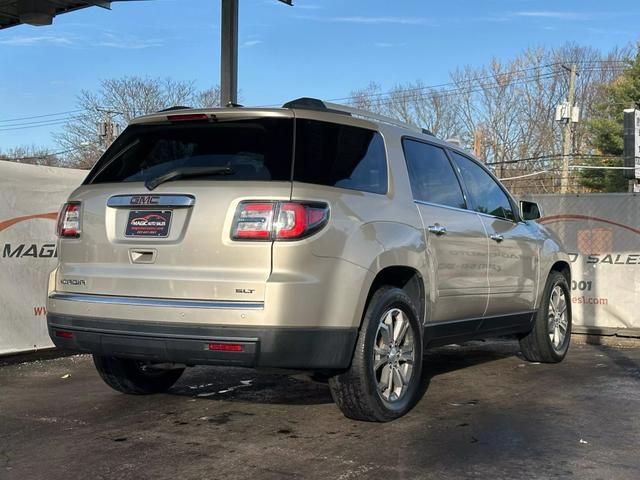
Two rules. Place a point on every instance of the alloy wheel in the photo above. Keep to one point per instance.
(394, 355)
(558, 322)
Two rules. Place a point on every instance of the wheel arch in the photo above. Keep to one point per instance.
(563, 267)
(406, 278)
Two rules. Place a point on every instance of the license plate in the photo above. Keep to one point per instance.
(148, 223)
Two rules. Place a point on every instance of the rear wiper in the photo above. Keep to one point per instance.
(186, 172)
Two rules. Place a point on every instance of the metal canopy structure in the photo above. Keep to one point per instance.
(42, 12)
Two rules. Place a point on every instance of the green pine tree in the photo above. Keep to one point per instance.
(606, 129)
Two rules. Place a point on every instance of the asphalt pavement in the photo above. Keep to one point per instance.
(485, 413)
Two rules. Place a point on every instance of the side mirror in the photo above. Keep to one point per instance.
(529, 210)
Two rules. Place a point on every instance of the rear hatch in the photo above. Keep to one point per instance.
(158, 209)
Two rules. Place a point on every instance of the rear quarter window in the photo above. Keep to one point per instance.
(340, 156)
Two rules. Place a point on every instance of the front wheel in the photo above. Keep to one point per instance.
(383, 381)
(135, 377)
(549, 339)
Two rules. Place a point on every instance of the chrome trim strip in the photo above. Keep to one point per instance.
(156, 302)
(179, 201)
(488, 215)
(431, 204)
(474, 319)
(464, 210)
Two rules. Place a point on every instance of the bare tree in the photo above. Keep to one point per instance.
(32, 155)
(510, 105)
(119, 100)
(413, 103)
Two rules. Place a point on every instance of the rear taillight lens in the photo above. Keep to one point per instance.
(278, 220)
(69, 220)
(253, 221)
(296, 220)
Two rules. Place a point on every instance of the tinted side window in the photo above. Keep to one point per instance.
(431, 175)
(256, 149)
(485, 194)
(340, 156)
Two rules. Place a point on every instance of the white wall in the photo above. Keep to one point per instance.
(30, 197)
(602, 233)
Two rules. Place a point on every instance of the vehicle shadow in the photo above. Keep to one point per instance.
(616, 355)
(231, 384)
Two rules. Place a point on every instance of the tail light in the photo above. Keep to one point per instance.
(278, 220)
(69, 220)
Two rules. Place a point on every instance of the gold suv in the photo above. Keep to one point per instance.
(314, 237)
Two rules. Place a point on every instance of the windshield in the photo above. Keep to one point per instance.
(255, 149)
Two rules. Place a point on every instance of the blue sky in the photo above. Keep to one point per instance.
(321, 48)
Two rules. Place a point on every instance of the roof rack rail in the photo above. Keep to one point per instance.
(315, 104)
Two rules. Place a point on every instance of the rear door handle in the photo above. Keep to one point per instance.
(497, 237)
(437, 229)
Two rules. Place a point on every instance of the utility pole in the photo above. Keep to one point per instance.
(631, 140)
(567, 142)
(477, 142)
(108, 130)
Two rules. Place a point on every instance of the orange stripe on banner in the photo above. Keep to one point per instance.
(560, 218)
(12, 221)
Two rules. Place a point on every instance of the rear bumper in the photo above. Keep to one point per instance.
(277, 347)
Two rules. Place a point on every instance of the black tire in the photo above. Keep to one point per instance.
(355, 390)
(537, 345)
(134, 377)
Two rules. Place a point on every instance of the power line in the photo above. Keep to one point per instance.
(396, 95)
(551, 170)
(431, 87)
(555, 155)
(458, 91)
(48, 124)
(605, 65)
(40, 116)
(486, 77)
(39, 122)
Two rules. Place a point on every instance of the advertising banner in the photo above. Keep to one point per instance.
(602, 234)
(30, 197)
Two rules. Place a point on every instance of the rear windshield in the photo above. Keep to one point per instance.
(256, 149)
(253, 150)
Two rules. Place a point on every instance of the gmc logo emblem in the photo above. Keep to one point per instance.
(145, 200)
